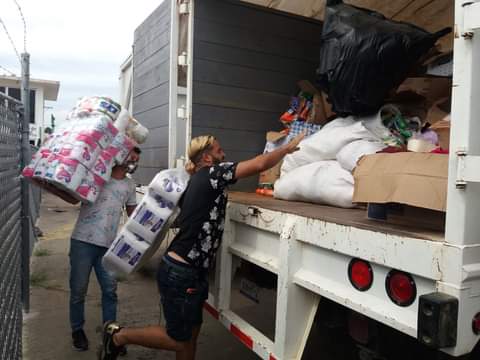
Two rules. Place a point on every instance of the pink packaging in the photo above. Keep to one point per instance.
(103, 166)
(123, 145)
(82, 152)
(29, 170)
(90, 187)
(66, 172)
(99, 127)
(42, 163)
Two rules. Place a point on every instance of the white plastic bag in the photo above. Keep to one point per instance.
(326, 143)
(126, 124)
(322, 182)
(351, 153)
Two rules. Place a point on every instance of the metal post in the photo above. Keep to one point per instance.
(25, 159)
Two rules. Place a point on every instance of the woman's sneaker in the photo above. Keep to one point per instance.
(80, 341)
(109, 351)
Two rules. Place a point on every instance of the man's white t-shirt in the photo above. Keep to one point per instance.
(98, 223)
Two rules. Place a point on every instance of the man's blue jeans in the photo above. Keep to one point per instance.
(84, 257)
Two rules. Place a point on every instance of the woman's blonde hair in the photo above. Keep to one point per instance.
(197, 147)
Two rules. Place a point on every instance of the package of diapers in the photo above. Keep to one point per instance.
(146, 228)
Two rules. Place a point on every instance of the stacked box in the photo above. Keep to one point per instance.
(145, 229)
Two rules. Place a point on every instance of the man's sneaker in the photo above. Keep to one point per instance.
(109, 351)
(80, 341)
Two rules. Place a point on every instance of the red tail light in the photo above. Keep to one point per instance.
(476, 324)
(401, 288)
(360, 274)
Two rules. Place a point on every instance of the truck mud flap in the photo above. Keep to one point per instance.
(437, 320)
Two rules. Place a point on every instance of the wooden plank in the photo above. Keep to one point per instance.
(302, 69)
(153, 118)
(244, 77)
(348, 217)
(151, 99)
(252, 40)
(432, 15)
(238, 98)
(386, 8)
(234, 13)
(228, 118)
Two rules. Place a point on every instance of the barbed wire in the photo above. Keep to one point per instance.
(5, 69)
(24, 26)
(11, 41)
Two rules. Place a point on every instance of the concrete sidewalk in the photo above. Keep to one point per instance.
(46, 334)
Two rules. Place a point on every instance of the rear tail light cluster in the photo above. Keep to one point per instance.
(360, 274)
(400, 286)
(476, 324)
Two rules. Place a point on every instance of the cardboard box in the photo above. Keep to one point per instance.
(442, 128)
(415, 179)
(322, 110)
(271, 175)
(274, 140)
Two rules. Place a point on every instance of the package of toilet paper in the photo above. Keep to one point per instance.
(91, 105)
(146, 228)
(78, 158)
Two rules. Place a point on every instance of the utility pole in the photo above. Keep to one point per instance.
(25, 159)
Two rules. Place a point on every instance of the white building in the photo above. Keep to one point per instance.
(40, 91)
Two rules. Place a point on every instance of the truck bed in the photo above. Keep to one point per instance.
(348, 217)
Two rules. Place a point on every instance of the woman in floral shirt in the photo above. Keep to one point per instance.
(182, 274)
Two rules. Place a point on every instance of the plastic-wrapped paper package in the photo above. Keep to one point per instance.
(103, 165)
(69, 173)
(121, 147)
(83, 152)
(89, 187)
(91, 105)
(169, 185)
(326, 143)
(130, 126)
(322, 182)
(125, 253)
(148, 224)
(99, 128)
(89, 138)
(149, 218)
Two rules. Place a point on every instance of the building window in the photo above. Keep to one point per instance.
(16, 94)
(32, 106)
(2, 89)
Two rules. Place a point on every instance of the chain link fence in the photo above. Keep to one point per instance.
(11, 276)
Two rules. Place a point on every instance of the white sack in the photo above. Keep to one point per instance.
(351, 153)
(326, 143)
(322, 182)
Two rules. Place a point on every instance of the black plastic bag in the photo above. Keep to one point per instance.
(364, 56)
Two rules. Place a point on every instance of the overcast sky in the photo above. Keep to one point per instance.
(79, 43)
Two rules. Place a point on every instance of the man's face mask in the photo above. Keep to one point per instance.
(131, 166)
